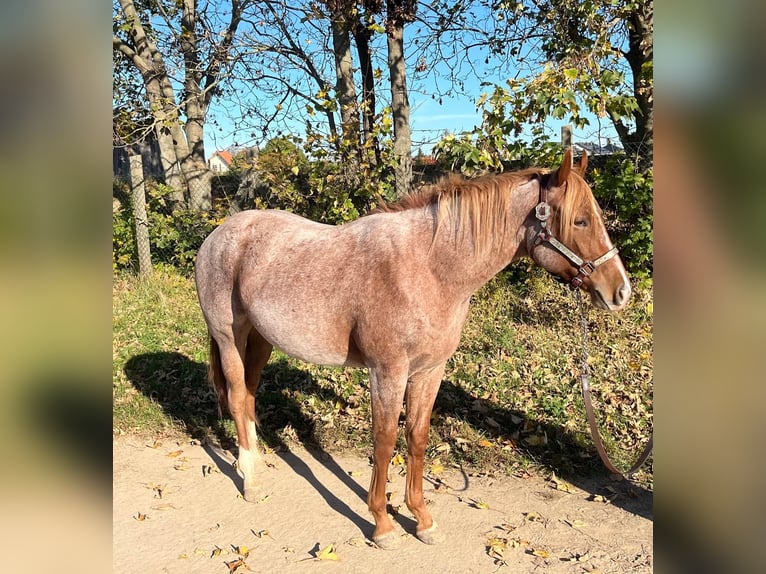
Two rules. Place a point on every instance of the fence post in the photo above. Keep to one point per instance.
(566, 136)
(139, 214)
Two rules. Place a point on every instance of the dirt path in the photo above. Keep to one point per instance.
(182, 512)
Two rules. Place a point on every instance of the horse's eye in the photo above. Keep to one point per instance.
(581, 223)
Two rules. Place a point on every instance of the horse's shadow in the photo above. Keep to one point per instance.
(178, 384)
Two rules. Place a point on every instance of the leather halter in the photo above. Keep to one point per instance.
(584, 268)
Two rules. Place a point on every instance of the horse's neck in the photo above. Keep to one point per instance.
(461, 269)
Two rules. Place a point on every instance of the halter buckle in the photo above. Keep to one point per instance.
(543, 211)
(587, 268)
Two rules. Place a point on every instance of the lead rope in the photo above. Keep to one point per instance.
(585, 386)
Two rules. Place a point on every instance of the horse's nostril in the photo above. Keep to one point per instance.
(623, 293)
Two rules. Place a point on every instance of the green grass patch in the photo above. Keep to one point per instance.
(510, 400)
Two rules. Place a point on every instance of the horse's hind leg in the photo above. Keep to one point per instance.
(421, 394)
(239, 368)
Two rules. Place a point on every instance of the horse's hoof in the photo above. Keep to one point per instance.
(252, 494)
(388, 541)
(431, 535)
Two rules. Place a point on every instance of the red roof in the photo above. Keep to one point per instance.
(224, 155)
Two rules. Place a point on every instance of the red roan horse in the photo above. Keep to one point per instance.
(389, 292)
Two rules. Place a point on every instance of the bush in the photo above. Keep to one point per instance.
(175, 235)
(626, 196)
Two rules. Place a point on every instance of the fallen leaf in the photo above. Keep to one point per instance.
(156, 444)
(216, 551)
(496, 546)
(443, 447)
(262, 533)
(576, 523)
(480, 504)
(541, 553)
(244, 551)
(437, 468)
(398, 460)
(560, 484)
(507, 527)
(533, 517)
(327, 553)
(174, 454)
(355, 473)
(577, 558)
(140, 517)
(236, 564)
(183, 556)
(485, 443)
(180, 467)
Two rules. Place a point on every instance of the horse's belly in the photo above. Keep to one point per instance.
(307, 338)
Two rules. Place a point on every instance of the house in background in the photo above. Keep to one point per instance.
(220, 161)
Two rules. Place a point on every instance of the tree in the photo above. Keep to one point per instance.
(593, 56)
(158, 38)
(397, 15)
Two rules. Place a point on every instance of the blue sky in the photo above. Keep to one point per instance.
(429, 119)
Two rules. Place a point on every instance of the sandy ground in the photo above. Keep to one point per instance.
(182, 512)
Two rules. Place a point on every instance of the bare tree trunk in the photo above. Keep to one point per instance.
(139, 215)
(344, 87)
(170, 167)
(400, 105)
(362, 35)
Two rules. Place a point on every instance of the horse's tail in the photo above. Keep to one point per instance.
(215, 376)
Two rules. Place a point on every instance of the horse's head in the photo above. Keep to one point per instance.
(568, 238)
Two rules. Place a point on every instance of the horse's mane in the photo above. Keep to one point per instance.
(480, 205)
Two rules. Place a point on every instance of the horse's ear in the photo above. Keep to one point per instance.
(583, 164)
(562, 173)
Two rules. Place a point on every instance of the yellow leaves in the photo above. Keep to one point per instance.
(174, 454)
(355, 473)
(327, 553)
(576, 523)
(533, 517)
(295, 170)
(540, 552)
(234, 565)
(437, 468)
(485, 443)
(559, 484)
(139, 517)
(480, 504)
(398, 460)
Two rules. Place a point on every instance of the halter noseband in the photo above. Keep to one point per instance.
(584, 268)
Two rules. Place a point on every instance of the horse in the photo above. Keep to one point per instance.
(389, 292)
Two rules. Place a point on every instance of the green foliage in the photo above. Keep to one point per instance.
(323, 180)
(494, 146)
(175, 235)
(627, 193)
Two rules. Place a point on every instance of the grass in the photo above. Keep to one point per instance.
(510, 400)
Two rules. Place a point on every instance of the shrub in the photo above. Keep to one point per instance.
(175, 235)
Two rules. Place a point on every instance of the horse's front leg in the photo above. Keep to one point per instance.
(421, 394)
(387, 390)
